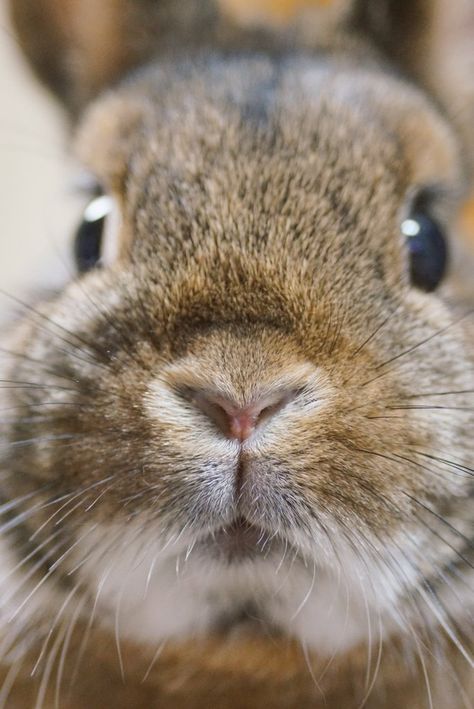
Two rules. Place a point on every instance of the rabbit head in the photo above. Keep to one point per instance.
(259, 402)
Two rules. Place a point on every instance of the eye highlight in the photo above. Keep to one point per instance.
(88, 243)
(428, 250)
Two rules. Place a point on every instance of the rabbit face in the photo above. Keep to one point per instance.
(255, 390)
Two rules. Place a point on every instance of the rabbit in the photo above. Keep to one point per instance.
(237, 449)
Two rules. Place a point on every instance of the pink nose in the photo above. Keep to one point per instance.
(240, 422)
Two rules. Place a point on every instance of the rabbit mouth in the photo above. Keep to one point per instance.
(241, 541)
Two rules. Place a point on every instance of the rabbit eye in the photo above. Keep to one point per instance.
(96, 237)
(88, 243)
(428, 251)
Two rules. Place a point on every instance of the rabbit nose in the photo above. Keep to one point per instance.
(238, 422)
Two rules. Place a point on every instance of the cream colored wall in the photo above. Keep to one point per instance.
(33, 172)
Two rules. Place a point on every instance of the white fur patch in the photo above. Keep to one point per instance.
(149, 591)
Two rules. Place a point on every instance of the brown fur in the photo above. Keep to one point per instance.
(238, 673)
(261, 203)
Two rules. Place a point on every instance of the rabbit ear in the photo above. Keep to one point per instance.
(42, 34)
(78, 46)
(433, 42)
(452, 69)
(403, 29)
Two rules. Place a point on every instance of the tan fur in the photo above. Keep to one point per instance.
(240, 673)
(281, 12)
(261, 200)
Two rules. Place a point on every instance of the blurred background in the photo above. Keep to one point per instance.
(37, 211)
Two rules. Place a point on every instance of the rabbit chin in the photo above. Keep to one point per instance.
(150, 593)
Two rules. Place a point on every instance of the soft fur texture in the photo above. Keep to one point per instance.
(150, 561)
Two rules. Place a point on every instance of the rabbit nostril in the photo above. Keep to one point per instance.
(238, 422)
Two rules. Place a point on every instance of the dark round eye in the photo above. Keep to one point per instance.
(89, 235)
(428, 251)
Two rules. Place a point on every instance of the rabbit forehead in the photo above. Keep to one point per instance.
(225, 118)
